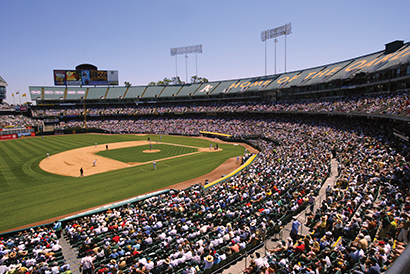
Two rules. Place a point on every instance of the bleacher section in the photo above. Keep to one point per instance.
(171, 91)
(134, 92)
(329, 71)
(188, 90)
(251, 84)
(152, 91)
(354, 66)
(206, 88)
(388, 60)
(223, 87)
(97, 93)
(116, 92)
(36, 93)
(54, 93)
(305, 76)
(75, 93)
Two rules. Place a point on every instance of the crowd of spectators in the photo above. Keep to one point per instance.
(18, 121)
(194, 231)
(392, 103)
(36, 250)
(5, 106)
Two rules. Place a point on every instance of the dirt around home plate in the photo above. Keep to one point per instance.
(68, 163)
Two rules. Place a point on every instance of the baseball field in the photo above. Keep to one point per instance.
(35, 188)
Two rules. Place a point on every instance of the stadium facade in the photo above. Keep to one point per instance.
(385, 70)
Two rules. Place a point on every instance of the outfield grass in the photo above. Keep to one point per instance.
(137, 154)
(28, 194)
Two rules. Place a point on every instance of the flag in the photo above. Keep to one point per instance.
(24, 95)
(18, 92)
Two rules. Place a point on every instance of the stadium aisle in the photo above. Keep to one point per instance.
(304, 230)
(70, 255)
(271, 243)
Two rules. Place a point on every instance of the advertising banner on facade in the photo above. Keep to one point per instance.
(59, 77)
(8, 136)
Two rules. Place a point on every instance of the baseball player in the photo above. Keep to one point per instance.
(95, 162)
(154, 164)
(48, 156)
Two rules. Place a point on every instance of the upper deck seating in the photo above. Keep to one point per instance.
(188, 89)
(96, 93)
(116, 92)
(152, 91)
(135, 92)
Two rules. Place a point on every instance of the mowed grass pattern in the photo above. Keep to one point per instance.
(137, 154)
(28, 194)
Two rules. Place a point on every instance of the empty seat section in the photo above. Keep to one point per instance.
(35, 92)
(96, 93)
(385, 61)
(116, 92)
(170, 91)
(223, 87)
(152, 91)
(304, 76)
(54, 93)
(75, 93)
(241, 85)
(252, 84)
(188, 90)
(206, 88)
(135, 92)
(354, 66)
(323, 75)
(283, 79)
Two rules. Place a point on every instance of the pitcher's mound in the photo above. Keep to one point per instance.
(151, 151)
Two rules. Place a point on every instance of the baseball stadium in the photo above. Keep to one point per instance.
(296, 172)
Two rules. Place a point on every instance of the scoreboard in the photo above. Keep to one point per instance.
(85, 77)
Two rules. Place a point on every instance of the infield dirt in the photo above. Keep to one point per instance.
(226, 168)
(68, 163)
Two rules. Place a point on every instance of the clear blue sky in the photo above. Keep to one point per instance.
(135, 37)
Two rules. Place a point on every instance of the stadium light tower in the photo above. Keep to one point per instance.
(186, 50)
(273, 33)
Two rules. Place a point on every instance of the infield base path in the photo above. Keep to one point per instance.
(68, 163)
(227, 167)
